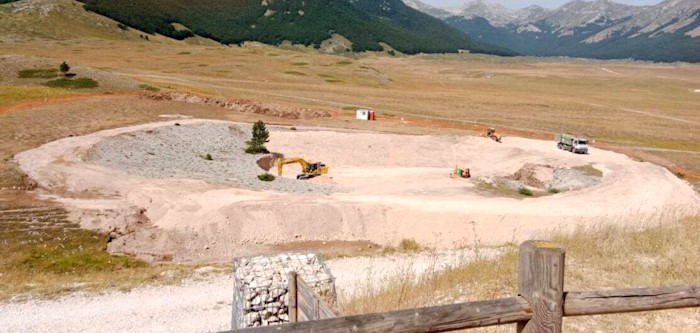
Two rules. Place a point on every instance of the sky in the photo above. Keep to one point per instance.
(517, 4)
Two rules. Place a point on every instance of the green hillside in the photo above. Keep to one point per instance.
(308, 22)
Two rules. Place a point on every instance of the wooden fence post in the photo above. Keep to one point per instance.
(292, 294)
(541, 282)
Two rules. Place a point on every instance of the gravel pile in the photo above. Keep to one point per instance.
(181, 152)
(572, 179)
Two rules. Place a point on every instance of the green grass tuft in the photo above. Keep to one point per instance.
(48, 73)
(148, 87)
(525, 191)
(266, 177)
(81, 83)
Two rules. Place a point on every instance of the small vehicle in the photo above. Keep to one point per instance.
(491, 133)
(572, 143)
(460, 173)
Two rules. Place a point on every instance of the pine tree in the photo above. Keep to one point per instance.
(260, 136)
(64, 68)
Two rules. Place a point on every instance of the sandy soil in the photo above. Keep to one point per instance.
(394, 187)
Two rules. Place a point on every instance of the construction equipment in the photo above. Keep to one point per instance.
(460, 173)
(309, 170)
(491, 133)
(571, 143)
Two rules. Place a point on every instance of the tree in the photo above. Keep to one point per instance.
(64, 67)
(257, 142)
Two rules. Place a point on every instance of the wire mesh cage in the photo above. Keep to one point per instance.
(261, 286)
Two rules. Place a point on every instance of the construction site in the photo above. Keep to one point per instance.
(187, 191)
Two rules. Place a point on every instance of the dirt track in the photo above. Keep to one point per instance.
(394, 187)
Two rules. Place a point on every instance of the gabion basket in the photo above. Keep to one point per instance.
(261, 286)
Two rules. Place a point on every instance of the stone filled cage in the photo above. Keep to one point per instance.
(261, 286)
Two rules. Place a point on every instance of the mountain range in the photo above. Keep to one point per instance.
(668, 31)
(365, 23)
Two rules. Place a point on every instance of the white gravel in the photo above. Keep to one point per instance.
(200, 304)
(179, 152)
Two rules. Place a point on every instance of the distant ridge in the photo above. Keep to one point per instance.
(668, 31)
(366, 23)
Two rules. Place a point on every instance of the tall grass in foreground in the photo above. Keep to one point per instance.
(597, 257)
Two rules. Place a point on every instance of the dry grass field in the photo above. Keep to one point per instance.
(647, 110)
(640, 105)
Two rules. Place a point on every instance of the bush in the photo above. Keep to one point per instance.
(409, 245)
(266, 177)
(208, 157)
(553, 190)
(525, 191)
(388, 249)
(38, 73)
(81, 83)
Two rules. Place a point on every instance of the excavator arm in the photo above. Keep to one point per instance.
(282, 161)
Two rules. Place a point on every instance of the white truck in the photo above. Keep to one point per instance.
(572, 143)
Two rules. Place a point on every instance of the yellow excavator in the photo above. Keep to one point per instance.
(309, 170)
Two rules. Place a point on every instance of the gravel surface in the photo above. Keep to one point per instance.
(198, 304)
(179, 152)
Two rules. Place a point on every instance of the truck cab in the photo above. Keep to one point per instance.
(580, 146)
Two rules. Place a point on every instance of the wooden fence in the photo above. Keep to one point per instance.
(304, 303)
(539, 306)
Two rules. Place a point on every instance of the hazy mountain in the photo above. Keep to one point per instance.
(668, 31)
(428, 9)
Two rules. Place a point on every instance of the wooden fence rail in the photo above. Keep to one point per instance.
(539, 308)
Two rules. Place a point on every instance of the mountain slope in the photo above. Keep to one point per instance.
(365, 23)
(668, 31)
(56, 20)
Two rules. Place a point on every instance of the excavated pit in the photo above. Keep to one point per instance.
(380, 188)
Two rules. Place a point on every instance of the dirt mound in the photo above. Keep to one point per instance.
(534, 175)
(240, 105)
(267, 162)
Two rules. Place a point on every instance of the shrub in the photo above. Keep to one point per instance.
(525, 191)
(266, 177)
(388, 249)
(260, 135)
(208, 157)
(345, 62)
(553, 190)
(409, 245)
(82, 83)
(293, 128)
